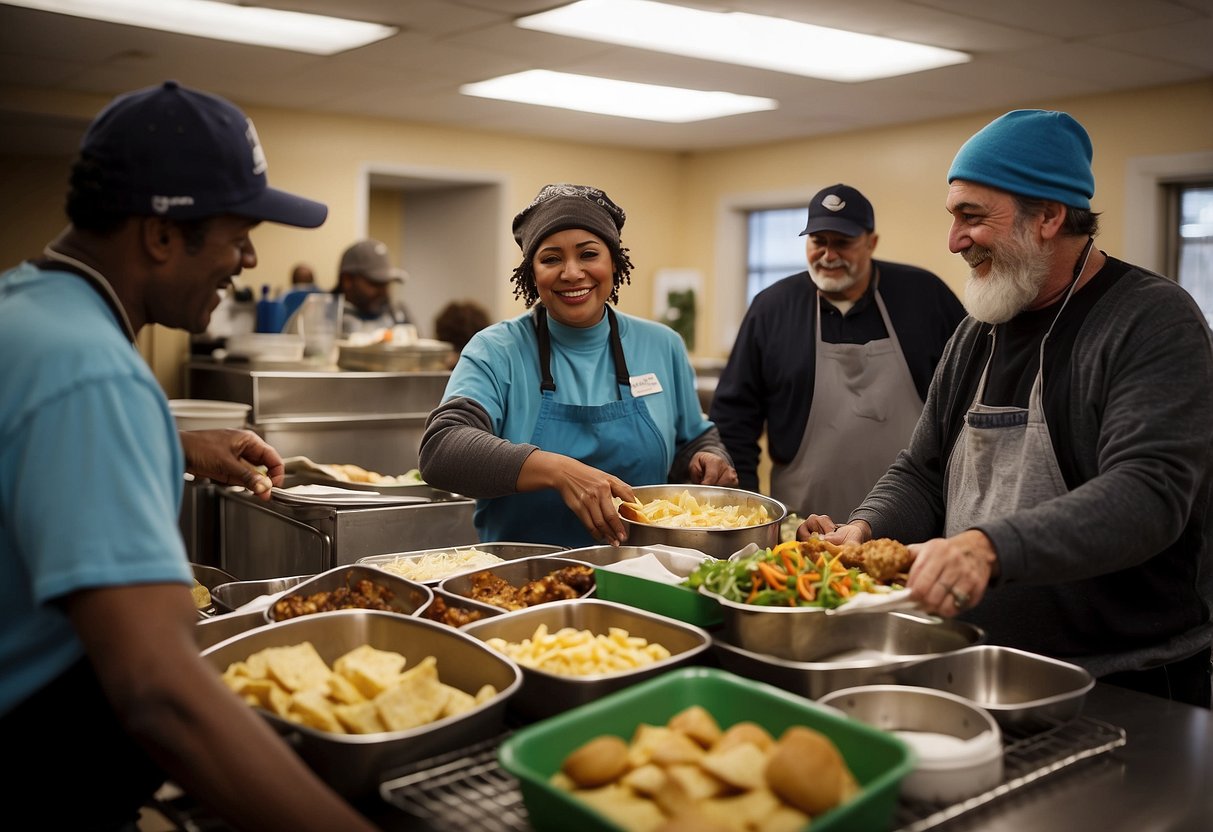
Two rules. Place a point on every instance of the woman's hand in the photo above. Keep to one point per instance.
(587, 491)
(707, 468)
(232, 457)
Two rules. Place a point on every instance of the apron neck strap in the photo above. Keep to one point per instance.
(545, 349)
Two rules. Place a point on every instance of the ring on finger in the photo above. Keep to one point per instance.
(961, 599)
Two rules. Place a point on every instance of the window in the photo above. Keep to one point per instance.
(1191, 249)
(774, 248)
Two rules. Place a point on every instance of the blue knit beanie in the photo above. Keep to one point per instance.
(1039, 154)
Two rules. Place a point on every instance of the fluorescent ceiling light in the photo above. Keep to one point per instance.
(615, 98)
(740, 38)
(296, 31)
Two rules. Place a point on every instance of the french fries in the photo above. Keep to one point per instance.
(684, 511)
(569, 652)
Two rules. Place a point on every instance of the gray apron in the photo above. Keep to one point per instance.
(1003, 462)
(864, 409)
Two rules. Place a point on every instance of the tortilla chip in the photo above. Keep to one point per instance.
(457, 702)
(741, 766)
(342, 691)
(316, 711)
(417, 699)
(372, 671)
(297, 668)
(360, 718)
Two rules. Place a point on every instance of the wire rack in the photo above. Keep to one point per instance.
(467, 790)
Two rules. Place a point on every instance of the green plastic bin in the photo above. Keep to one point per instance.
(670, 600)
(533, 754)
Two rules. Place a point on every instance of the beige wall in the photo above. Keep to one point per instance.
(675, 202)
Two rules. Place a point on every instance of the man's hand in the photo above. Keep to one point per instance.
(950, 575)
(821, 524)
(233, 457)
(707, 468)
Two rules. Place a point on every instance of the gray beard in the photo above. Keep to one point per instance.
(832, 285)
(1017, 273)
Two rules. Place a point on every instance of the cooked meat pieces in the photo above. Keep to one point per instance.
(365, 595)
(443, 613)
(885, 558)
(569, 582)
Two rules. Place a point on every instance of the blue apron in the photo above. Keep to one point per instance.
(618, 437)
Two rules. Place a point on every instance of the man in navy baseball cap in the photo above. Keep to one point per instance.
(98, 635)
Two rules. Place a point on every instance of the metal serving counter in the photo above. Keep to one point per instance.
(370, 419)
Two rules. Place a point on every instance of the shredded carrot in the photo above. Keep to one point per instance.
(792, 561)
(775, 578)
(841, 590)
(805, 587)
(753, 591)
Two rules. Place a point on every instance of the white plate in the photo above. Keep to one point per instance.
(324, 495)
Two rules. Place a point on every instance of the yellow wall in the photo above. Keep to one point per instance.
(673, 201)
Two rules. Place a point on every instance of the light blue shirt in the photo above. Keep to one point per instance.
(499, 369)
(90, 470)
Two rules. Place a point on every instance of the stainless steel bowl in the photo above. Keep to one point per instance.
(210, 631)
(872, 646)
(544, 694)
(210, 577)
(719, 543)
(504, 550)
(1021, 689)
(515, 572)
(233, 596)
(452, 600)
(353, 763)
(957, 745)
(408, 597)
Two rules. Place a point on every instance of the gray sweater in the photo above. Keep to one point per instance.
(1117, 574)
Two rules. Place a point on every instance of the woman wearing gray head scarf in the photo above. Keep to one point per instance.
(551, 415)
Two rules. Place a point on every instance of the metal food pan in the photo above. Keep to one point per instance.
(452, 600)
(719, 543)
(232, 596)
(408, 597)
(211, 631)
(210, 577)
(515, 572)
(352, 763)
(868, 650)
(505, 551)
(1019, 688)
(544, 694)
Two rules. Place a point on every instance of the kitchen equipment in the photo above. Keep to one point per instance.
(717, 542)
(210, 577)
(232, 596)
(1020, 689)
(262, 539)
(205, 414)
(319, 318)
(504, 550)
(875, 647)
(387, 356)
(210, 631)
(352, 763)
(372, 419)
(534, 753)
(671, 600)
(544, 693)
(957, 745)
(515, 572)
(408, 597)
(265, 347)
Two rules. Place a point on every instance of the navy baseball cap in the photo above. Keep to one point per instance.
(840, 208)
(179, 153)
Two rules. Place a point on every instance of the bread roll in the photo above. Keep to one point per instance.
(600, 761)
(806, 771)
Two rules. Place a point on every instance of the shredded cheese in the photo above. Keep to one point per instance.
(435, 565)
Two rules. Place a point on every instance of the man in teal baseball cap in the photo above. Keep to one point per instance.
(1056, 490)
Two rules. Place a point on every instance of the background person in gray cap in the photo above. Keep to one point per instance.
(549, 416)
(1058, 484)
(103, 688)
(371, 287)
(833, 363)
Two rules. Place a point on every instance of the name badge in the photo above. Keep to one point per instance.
(645, 385)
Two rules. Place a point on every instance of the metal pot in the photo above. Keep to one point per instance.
(717, 542)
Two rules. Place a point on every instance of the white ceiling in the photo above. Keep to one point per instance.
(1024, 52)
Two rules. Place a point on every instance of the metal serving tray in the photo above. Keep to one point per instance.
(544, 694)
(505, 551)
(232, 596)
(516, 572)
(352, 764)
(408, 597)
(1019, 688)
(876, 645)
(452, 600)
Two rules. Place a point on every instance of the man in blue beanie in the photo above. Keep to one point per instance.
(1060, 476)
(102, 677)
